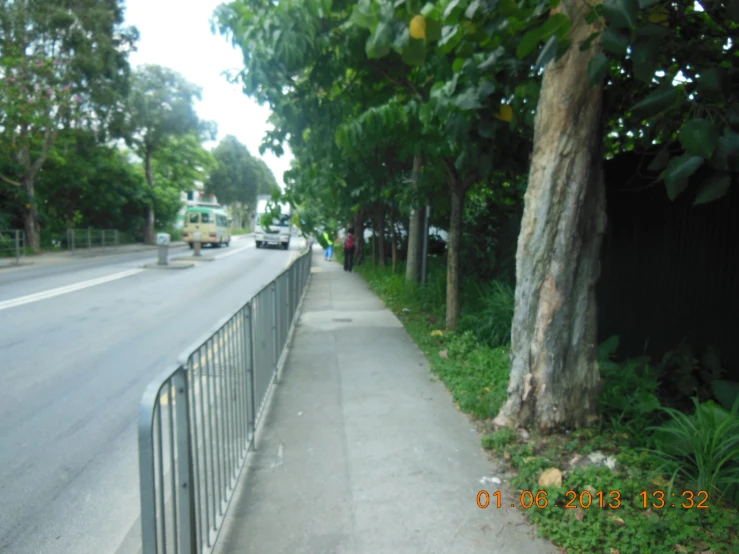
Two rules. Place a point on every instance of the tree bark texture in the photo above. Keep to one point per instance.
(149, 229)
(412, 267)
(393, 240)
(453, 301)
(30, 216)
(358, 237)
(554, 380)
(381, 245)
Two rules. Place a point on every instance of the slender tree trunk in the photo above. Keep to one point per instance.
(453, 302)
(358, 237)
(393, 239)
(30, 215)
(415, 229)
(554, 378)
(381, 245)
(149, 229)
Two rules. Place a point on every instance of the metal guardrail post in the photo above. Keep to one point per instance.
(187, 526)
(274, 330)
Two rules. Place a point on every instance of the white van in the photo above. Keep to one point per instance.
(213, 224)
(278, 233)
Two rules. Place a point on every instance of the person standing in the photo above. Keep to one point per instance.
(349, 250)
(329, 247)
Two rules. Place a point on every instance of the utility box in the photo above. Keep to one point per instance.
(197, 239)
(163, 243)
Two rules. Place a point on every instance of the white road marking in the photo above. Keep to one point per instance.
(232, 252)
(64, 290)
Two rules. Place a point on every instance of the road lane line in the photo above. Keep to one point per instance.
(232, 252)
(64, 290)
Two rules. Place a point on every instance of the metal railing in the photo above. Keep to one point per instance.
(197, 422)
(87, 239)
(12, 244)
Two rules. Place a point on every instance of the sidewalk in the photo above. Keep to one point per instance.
(362, 452)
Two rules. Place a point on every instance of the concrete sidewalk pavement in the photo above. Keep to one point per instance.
(362, 451)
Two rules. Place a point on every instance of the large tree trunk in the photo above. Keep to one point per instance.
(149, 229)
(415, 229)
(30, 216)
(554, 378)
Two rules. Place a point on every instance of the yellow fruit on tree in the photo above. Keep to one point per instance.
(418, 27)
(506, 113)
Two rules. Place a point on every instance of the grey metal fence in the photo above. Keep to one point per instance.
(197, 421)
(87, 239)
(12, 244)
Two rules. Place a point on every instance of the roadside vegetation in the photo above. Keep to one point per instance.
(581, 160)
(89, 142)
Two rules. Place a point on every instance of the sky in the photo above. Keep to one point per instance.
(177, 35)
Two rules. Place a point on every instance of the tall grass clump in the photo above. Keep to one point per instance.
(489, 312)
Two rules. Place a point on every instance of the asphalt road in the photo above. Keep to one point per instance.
(74, 363)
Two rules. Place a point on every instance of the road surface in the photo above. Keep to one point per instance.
(79, 342)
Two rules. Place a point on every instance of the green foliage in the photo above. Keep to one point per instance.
(498, 440)
(491, 317)
(701, 449)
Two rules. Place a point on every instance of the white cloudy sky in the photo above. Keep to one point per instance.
(177, 35)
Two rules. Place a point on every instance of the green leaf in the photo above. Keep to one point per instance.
(660, 160)
(700, 137)
(644, 4)
(587, 43)
(362, 19)
(491, 59)
(615, 42)
(644, 56)
(713, 84)
(548, 53)
(468, 100)
(415, 52)
(378, 44)
(430, 10)
(458, 65)
(677, 173)
(508, 8)
(528, 43)
(726, 392)
(486, 129)
(656, 102)
(598, 68)
(485, 89)
(450, 38)
(726, 156)
(433, 29)
(472, 9)
(622, 14)
(713, 188)
(452, 11)
(559, 24)
(425, 113)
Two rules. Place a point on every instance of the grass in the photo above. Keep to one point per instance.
(240, 231)
(474, 365)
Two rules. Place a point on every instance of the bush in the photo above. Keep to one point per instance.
(489, 312)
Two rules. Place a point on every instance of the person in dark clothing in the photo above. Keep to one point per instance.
(349, 250)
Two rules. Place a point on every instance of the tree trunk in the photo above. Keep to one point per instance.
(412, 272)
(30, 216)
(453, 301)
(149, 229)
(554, 379)
(358, 237)
(393, 239)
(381, 246)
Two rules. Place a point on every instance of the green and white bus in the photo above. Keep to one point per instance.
(214, 224)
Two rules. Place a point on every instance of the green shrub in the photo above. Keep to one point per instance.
(701, 449)
(489, 312)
